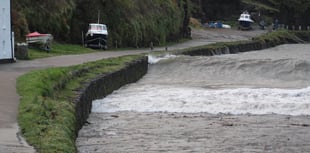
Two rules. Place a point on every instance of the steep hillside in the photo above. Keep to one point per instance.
(45, 16)
(136, 23)
(212, 10)
(133, 23)
(289, 12)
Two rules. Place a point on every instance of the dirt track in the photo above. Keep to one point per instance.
(10, 140)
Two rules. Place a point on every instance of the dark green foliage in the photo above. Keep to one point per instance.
(214, 10)
(46, 16)
(289, 12)
(133, 23)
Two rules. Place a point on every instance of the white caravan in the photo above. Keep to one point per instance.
(6, 36)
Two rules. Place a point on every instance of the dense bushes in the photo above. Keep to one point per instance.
(136, 23)
(213, 10)
(289, 12)
(45, 16)
(133, 23)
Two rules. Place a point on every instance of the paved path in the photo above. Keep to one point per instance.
(10, 139)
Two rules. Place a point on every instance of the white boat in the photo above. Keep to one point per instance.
(96, 36)
(245, 21)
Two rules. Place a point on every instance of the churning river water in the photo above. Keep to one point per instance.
(271, 81)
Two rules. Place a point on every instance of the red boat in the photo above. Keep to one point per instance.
(44, 40)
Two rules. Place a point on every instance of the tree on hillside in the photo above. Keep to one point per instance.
(292, 12)
(45, 16)
(132, 23)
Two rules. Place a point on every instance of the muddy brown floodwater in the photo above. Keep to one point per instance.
(254, 102)
(199, 132)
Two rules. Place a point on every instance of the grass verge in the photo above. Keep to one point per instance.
(47, 112)
(268, 40)
(59, 49)
(71, 49)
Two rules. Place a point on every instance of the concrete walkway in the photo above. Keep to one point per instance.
(10, 139)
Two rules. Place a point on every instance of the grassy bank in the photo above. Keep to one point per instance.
(264, 41)
(284, 36)
(46, 112)
(59, 49)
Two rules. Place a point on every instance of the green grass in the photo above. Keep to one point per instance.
(60, 49)
(283, 36)
(275, 35)
(45, 122)
(47, 112)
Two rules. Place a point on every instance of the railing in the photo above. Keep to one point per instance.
(294, 27)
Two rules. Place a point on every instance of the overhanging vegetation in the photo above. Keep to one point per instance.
(131, 23)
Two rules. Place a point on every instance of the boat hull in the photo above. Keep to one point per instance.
(245, 25)
(96, 41)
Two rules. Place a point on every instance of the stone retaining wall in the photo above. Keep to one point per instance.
(104, 85)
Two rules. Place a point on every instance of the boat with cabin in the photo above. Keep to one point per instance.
(245, 21)
(96, 36)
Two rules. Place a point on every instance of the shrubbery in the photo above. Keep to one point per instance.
(133, 23)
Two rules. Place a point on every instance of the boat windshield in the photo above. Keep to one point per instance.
(97, 27)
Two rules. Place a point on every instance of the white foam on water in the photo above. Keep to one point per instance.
(153, 59)
(272, 81)
(194, 100)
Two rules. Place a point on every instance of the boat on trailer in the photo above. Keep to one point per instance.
(96, 36)
(43, 41)
(245, 21)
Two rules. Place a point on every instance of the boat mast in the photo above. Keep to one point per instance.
(98, 16)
